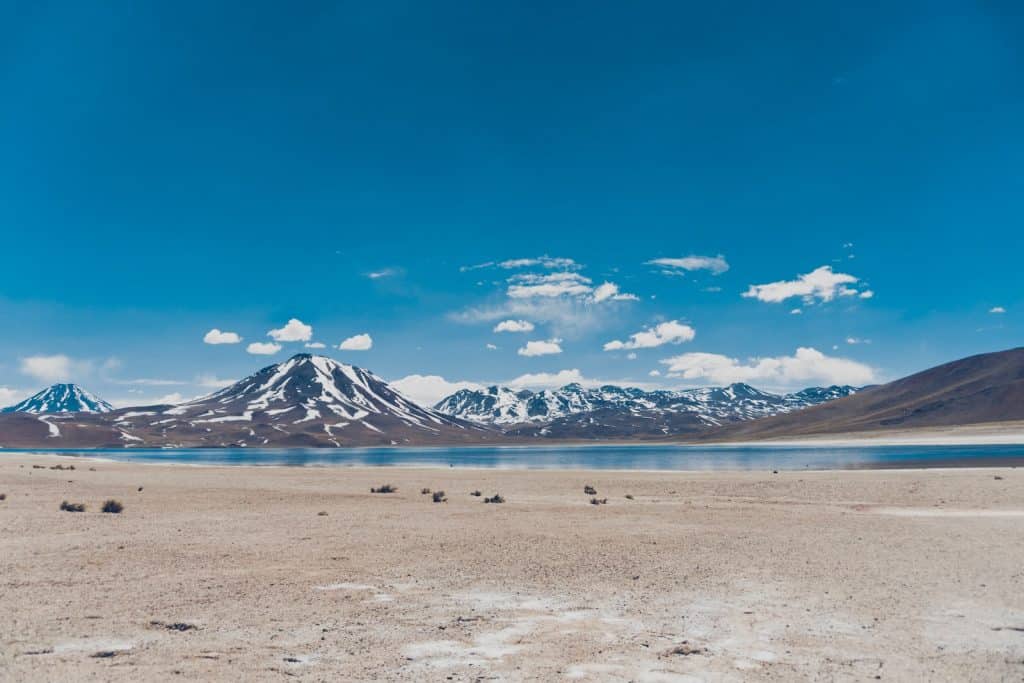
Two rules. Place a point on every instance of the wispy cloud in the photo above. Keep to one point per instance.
(10, 396)
(57, 367)
(549, 262)
(384, 272)
(672, 266)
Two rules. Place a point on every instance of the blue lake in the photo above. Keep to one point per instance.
(624, 457)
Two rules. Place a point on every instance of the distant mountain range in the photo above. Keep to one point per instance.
(315, 401)
(61, 398)
(611, 411)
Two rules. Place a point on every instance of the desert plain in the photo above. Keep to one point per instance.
(273, 573)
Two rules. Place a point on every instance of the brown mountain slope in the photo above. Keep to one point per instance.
(985, 388)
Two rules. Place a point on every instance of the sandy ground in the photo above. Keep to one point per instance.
(852, 575)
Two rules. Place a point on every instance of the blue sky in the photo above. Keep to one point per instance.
(179, 167)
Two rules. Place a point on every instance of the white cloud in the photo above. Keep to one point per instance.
(294, 331)
(670, 332)
(541, 348)
(263, 348)
(213, 382)
(492, 347)
(548, 380)
(359, 342)
(9, 397)
(215, 336)
(168, 399)
(806, 366)
(857, 340)
(997, 309)
(427, 390)
(610, 290)
(796, 311)
(49, 368)
(514, 326)
(716, 264)
(631, 355)
(821, 284)
(654, 373)
(315, 345)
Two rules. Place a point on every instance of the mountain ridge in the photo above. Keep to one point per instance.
(315, 401)
(983, 388)
(703, 407)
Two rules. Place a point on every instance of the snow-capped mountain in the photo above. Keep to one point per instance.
(61, 398)
(305, 400)
(711, 406)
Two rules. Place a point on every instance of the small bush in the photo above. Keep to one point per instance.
(589, 490)
(72, 507)
(475, 493)
(496, 498)
(179, 626)
(629, 496)
(425, 491)
(598, 501)
(386, 488)
(38, 467)
(439, 497)
(3, 496)
(112, 506)
(62, 467)
(322, 513)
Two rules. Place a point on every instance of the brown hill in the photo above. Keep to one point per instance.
(985, 388)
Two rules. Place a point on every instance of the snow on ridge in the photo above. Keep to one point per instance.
(61, 398)
(318, 385)
(713, 405)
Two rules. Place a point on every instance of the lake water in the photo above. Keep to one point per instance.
(624, 457)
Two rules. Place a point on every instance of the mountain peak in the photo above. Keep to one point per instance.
(61, 398)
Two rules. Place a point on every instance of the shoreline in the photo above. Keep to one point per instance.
(980, 434)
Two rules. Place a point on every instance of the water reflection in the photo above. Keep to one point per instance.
(642, 457)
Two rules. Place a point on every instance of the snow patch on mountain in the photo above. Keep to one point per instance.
(61, 398)
(498, 405)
